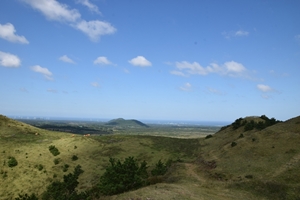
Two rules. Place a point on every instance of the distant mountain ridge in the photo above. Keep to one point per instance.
(126, 123)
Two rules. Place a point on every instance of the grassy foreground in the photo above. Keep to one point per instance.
(262, 165)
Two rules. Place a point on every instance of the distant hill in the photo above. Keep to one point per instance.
(120, 122)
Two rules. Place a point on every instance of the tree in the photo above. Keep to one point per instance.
(160, 169)
(66, 189)
(120, 177)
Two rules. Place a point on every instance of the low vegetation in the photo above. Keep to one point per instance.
(230, 164)
(54, 150)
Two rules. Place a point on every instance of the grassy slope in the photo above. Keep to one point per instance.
(272, 159)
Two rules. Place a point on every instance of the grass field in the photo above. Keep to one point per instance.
(263, 164)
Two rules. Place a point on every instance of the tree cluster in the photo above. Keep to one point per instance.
(250, 125)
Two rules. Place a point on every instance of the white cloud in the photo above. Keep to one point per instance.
(95, 84)
(7, 32)
(140, 61)
(234, 67)
(65, 58)
(186, 87)
(102, 61)
(264, 88)
(9, 60)
(231, 68)
(177, 73)
(239, 33)
(53, 10)
(91, 7)
(47, 74)
(94, 29)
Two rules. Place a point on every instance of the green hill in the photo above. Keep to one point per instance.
(123, 123)
(264, 163)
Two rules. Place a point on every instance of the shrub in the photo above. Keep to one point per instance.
(66, 189)
(12, 162)
(54, 150)
(241, 135)
(65, 167)
(27, 197)
(160, 169)
(208, 136)
(233, 144)
(40, 167)
(121, 177)
(74, 157)
(249, 176)
(56, 161)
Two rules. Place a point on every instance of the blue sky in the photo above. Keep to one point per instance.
(174, 60)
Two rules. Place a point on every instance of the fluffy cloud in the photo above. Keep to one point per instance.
(231, 68)
(9, 60)
(65, 58)
(186, 87)
(140, 61)
(94, 29)
(264, 88)
(47, 74)
(53, 10)
(90, 6)
(7, 32)
(102, 61)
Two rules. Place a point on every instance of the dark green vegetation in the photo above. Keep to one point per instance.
(264, 164)
(70, 126)
(258, 123)
(121, 177)
(122, 123)
(54, 150)
(12, 162)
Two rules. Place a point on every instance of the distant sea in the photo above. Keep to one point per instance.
(159, 122)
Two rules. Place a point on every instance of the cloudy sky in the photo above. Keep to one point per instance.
(174, 60)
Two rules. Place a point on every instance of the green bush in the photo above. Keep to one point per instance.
(66, 189)
(56, 161)
(65, 167)
(26, 197)
(233, 144)
(54, 150)
(12, 162)
(74, 157)
(121, 177)
(208, 136)
(40, 167)
(160, 169)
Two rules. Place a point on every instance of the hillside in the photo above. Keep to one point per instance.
(263, 164)
(123, 123)
(266, 162)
